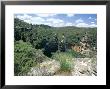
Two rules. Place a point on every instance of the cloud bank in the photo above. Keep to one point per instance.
(57, 20)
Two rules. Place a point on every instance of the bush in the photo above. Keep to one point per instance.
(24, 57)
(65, 60)
(75, 54)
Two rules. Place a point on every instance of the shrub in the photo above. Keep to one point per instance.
(65, 60)
(24, 57)
(75, 54)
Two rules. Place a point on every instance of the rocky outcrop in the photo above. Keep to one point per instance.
(84, 67)
(81, 67)
(46, 68)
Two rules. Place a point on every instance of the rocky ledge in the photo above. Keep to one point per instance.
(81, 67)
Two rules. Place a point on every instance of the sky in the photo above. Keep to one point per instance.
(60, 20)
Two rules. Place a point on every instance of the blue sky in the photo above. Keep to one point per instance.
(60, 20)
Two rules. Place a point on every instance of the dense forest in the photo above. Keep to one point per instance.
(35, 44)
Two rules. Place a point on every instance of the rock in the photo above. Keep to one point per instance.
(86, 52)
(46, 68)
(84, 67)
(81, 67)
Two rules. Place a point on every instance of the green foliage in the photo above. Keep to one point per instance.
(37, 34)
(75, 54)
(64, 59)
(40, 57)
(93, 38)
(24, 57)
(33, 41)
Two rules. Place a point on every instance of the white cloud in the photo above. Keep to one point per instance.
(35, 20)
(53, 20)
(38, 19)
(79, 21)
(92, 22)
(57, 22)
(90, 18)
(30, 19)
(86, 25)
(59, 25)
(46, 15)
(70, 15)
(24, 17)
(82, 25)
(93, 25)
(69, 24)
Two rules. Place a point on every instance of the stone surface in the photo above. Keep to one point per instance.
(46, 68)
(81, 67)
(85, 67)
